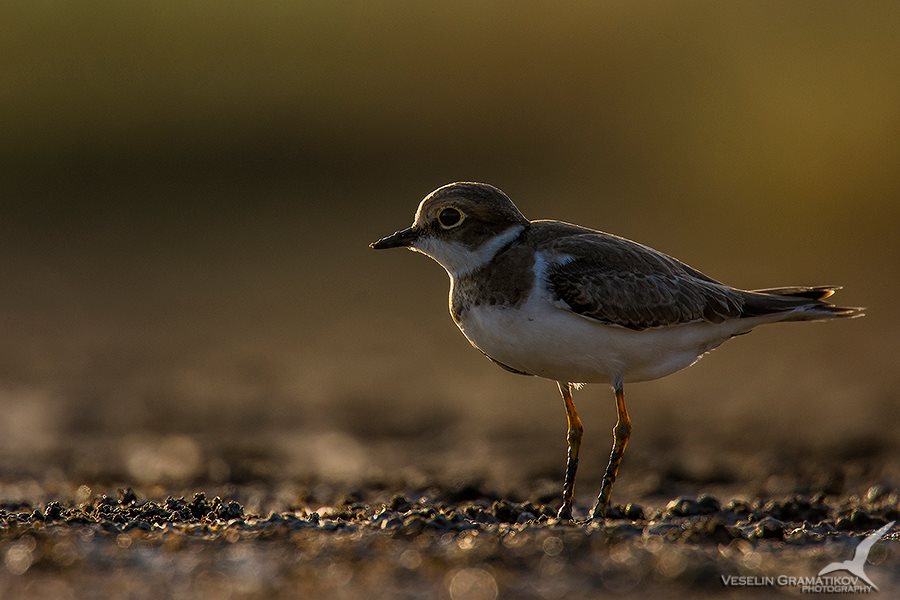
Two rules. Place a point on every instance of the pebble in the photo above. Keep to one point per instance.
(768, 528)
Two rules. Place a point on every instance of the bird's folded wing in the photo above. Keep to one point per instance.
(619, 282)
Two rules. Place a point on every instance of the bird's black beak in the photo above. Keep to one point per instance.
(399, 239)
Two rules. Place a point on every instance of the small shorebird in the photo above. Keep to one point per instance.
(580, 306)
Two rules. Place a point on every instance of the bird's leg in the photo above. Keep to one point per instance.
(573, 438)
(621, 434)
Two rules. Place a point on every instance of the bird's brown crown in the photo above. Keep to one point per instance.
(467, 213)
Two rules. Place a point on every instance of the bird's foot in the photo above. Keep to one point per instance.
(598, 514)
(565, 515)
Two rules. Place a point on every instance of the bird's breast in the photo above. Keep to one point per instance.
(505, 282)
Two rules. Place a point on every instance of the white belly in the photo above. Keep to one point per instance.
(552, 342)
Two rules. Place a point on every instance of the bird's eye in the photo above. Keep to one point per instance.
(450, 218)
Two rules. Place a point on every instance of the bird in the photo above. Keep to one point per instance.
(580, 306)
(857, 565)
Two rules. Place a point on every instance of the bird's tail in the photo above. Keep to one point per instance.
(799, 303)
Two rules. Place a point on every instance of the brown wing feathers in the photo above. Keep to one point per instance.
(623, 283)
(620, 282)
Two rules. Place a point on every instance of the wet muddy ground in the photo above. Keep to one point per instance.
(460, 540)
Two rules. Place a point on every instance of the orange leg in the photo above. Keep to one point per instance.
(573, 438)
(621, 434)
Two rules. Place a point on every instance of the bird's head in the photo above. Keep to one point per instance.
(461, 226)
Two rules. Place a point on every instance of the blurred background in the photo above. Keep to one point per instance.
(188, 191)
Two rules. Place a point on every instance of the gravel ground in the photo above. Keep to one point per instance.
(458, 542)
